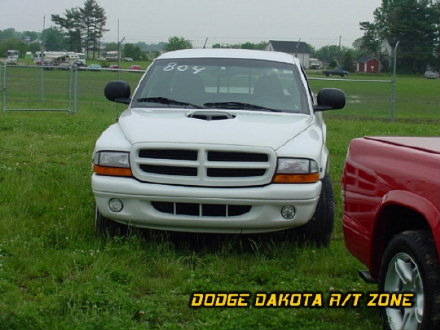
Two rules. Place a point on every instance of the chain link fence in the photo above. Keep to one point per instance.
(414, 97)
(33, 88)
(37, 88)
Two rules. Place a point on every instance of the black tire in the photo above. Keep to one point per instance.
(412, 251)
(108, 228)
(319, 229)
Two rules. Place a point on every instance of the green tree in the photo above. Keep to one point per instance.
(9, 33)
(348, 58)
(415, 24)
(369, 43)
(34, 47)
(93, 20)
(111, 46)
(32, 35)
(133, 51)
(437, 48)
(84, 27)
(175, 43)
(247, 45)
(151, 47)
(71, 23)
(235, 46)
(16, 44)
(328, 54)
(53, 39)
(259, 46)
(334, 56)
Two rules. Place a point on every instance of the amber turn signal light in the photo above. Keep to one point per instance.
(296, 178)
(112, 171)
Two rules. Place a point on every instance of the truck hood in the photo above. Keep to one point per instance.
(246, 128)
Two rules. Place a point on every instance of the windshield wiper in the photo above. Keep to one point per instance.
(238, 105)
(164, 100)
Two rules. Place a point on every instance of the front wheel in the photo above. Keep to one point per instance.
(410, 264)
(319, 229)
(108, 227)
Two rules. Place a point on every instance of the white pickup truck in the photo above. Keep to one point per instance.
(217, 141)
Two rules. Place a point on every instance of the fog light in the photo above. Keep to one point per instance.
(115, 205)
(288, 212)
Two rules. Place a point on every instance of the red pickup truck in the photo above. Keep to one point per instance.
(391, 190)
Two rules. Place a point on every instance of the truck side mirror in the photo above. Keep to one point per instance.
(330, 99)
(118, 91)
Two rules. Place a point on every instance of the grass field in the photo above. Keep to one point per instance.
(55, 273)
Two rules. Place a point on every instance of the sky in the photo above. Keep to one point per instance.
(317, 22)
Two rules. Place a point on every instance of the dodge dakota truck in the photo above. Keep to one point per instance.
(218, 141)
(391, 188)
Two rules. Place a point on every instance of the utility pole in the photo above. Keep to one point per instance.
(119, 47)
(119, 53)
(339, 52)
(42, 60)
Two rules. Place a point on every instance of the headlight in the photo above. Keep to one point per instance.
(296, 170)
(113, 163)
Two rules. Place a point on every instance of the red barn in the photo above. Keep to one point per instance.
(368, 64)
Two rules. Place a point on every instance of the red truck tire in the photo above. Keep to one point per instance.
(410, 264)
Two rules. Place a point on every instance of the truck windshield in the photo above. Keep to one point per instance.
(222, 83)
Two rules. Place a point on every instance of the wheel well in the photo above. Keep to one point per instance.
(393, 220)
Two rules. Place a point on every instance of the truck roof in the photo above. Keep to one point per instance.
(231, 53)
(429, 144)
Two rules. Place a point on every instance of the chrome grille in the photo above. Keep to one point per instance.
(203, 165)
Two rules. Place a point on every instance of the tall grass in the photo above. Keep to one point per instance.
(55, 273)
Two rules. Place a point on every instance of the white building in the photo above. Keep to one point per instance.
(297, 49)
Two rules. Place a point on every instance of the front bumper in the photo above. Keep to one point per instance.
(264, 214)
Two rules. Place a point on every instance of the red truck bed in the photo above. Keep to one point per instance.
(391, 222)
(385, 171)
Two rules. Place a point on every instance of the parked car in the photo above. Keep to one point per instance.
(48, 65)
(220, 141)
(67, 66)
(94, 67)
(114, 67)
(336, 72)
(135, 67)
(391, 188)
(12, 60)
(431, 75)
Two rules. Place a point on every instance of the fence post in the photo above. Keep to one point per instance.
(4, 86)
(393, 80)
(42, 82)
(70, 102)
(75, 90)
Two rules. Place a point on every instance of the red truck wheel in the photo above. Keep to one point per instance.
(410, 264)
